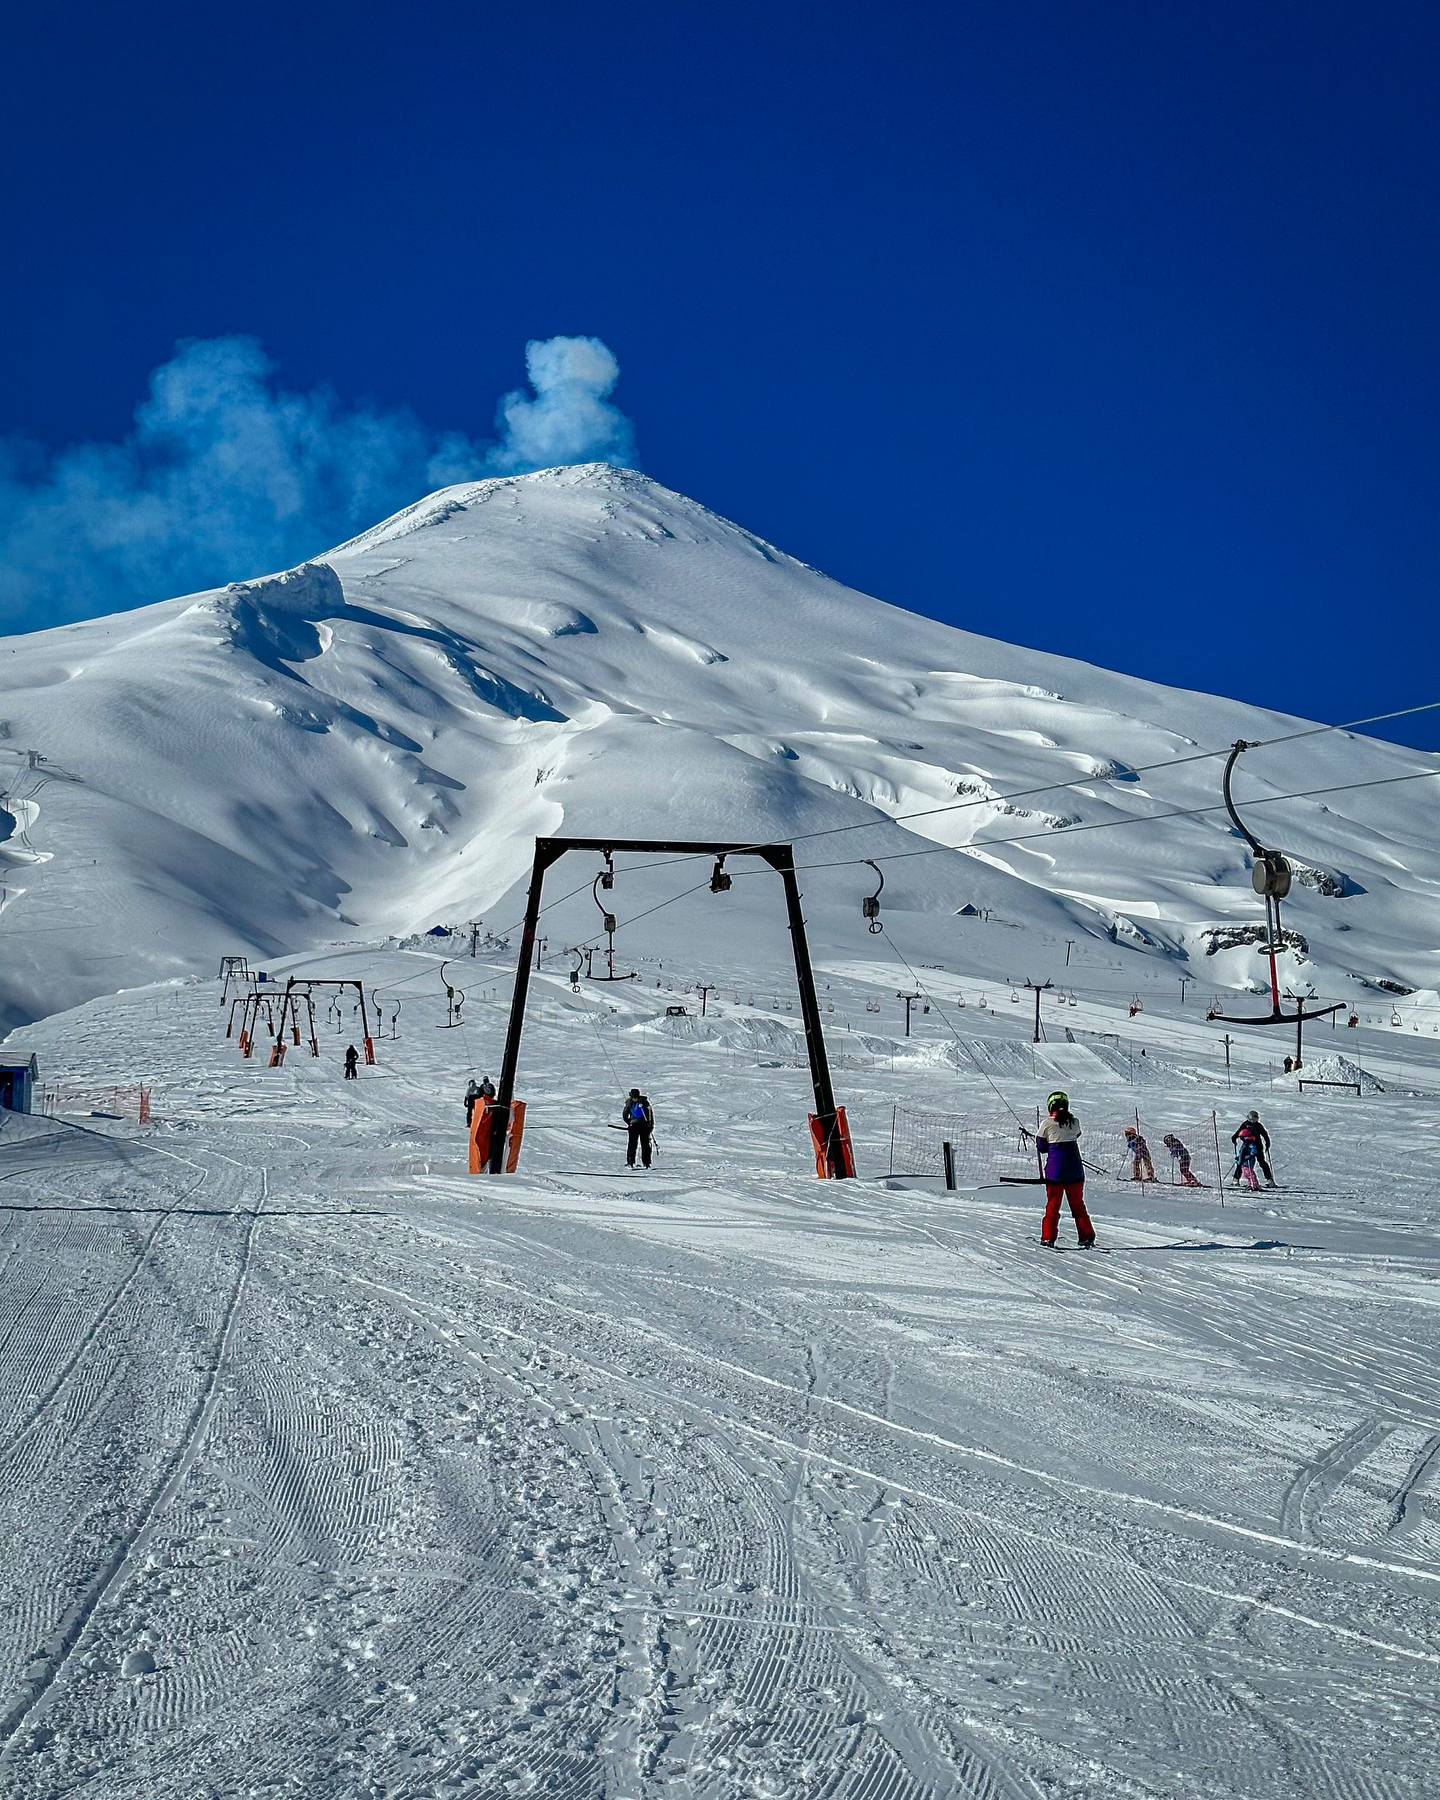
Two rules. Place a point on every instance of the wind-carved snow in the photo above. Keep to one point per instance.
(375, 738)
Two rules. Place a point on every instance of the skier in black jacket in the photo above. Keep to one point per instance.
(1262, 1144)
(484, 1089)
(640, 1121)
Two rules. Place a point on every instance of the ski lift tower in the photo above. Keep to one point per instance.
(831, 1136)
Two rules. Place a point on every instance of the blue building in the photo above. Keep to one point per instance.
(19, 1073)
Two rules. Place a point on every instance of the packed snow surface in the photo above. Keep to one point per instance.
(332, 1470)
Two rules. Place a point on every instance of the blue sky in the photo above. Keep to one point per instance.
(1108, 329)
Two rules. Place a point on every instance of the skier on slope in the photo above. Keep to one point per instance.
(1064, 1172)
(484, 1089)
(352, 1059)
(1247, 1152)
(1251, 1122)
(640, 1122)
(1141, 1167)
(1180, 1156)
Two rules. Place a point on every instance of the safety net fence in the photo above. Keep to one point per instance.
(981, 1147)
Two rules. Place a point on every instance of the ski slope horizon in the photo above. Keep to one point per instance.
(368, 745)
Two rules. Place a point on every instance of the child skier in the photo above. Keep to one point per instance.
(1141, 1167)
(1247, 1152)
(1251, 1123)
(1064, 1172)
(1180, 1156)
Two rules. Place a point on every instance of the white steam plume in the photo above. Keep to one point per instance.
(571, 418)
(225, 476)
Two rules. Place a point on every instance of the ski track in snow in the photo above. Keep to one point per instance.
(329, 1470)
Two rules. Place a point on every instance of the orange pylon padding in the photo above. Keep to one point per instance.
(369, 1050)
(277, 1053)
(480, 1139)
(485, 1121)
(845, 1154)
(517, 1133)
(245, 1043)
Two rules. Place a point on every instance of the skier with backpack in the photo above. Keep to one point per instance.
(1180, 1156)
(639, 1118)
(1059, 1138)
(352, 1061)
(484, 1089)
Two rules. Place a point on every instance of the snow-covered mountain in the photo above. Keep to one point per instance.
(369, 744)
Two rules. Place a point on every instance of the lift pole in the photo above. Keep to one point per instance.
(909, 1000)
(1038, 988)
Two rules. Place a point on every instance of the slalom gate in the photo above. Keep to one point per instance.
(131, 1103)
(983, 1147)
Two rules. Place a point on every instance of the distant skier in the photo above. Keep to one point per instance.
(1180, 1156)
(484, 1089)
(1064, 1172)
(352, 1062)
(1247, 1151)
(1262, 1144)
(639, 1119)
(1141, 1167)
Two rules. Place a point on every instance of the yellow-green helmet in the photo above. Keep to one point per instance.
(1058, 1099)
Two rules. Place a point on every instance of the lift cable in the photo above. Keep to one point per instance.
(1079, 781)
(1182, 812)
(980, 1067)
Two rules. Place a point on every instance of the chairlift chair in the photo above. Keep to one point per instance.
(870, 905)
(606, 880)
(1270, 876)
(454, 1000)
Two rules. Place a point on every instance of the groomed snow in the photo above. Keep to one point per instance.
(330, 1470)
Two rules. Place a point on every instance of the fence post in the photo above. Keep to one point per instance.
(894, 1112)
(947, 1150)
(1219, 1167)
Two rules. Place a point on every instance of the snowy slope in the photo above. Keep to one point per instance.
(331, 1471)
(369, 744)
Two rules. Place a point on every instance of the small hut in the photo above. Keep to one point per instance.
(19, 1073)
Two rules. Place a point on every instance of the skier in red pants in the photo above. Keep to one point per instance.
(1064, 1172)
